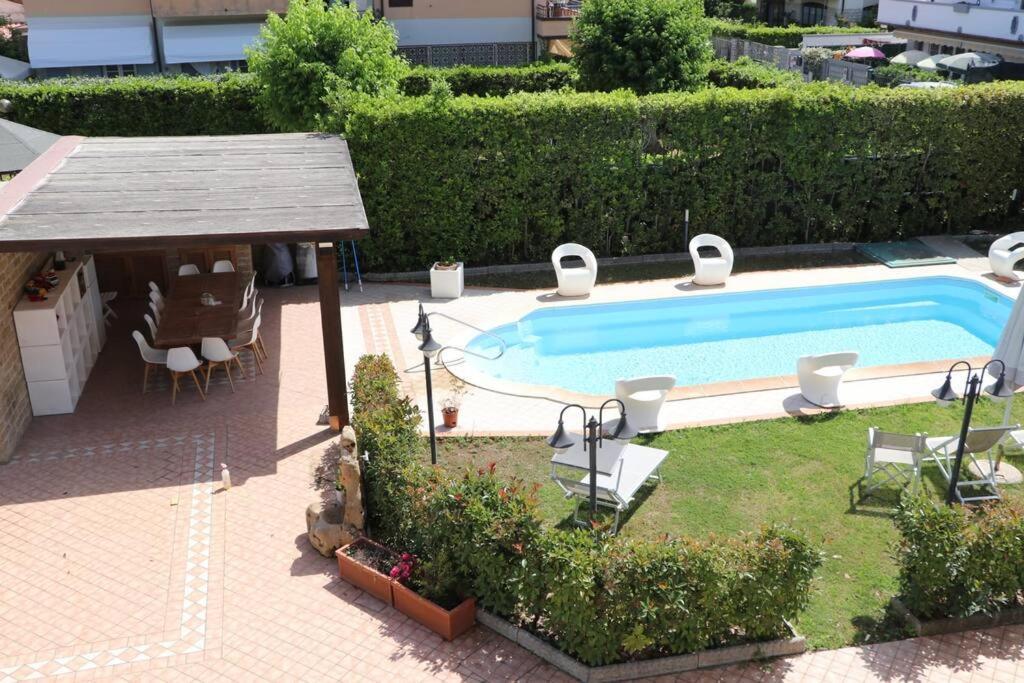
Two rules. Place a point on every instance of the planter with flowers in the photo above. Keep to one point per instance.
(446, 279)
(367, 565)
(449, 616)
(450, 406)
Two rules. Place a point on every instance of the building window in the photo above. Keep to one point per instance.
(812, 14)
(399, 3)
(115, 70)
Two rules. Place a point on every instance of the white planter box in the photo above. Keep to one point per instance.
(447, 284)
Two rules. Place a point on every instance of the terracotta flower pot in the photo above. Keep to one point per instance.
(451, 417)
(449, 624)
(363, 576)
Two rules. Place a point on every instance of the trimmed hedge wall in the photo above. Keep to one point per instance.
(745, 73)
(786, 36)
(506, 180)
(600, 599)
(492, 80)
(131, 106)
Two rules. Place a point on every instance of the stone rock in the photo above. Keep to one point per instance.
(351, 482)
(326, 529)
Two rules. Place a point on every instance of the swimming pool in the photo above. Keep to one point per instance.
(745, 335)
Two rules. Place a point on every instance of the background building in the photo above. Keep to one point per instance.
(944, 26)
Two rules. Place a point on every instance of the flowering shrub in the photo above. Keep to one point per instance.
(404, 569)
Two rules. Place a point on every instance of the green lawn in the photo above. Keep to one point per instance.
(803, 471)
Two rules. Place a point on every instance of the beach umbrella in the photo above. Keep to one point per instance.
(1010, 350)
(865, 53)
(970, 60)
(910, 57)
(931, 63)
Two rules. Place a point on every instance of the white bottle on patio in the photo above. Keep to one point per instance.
(225, 476)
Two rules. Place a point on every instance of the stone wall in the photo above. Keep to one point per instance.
(15, 410)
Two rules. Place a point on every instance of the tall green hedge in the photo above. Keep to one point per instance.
(600, 599)
(786, 36)
(492, 80)
(746, 73)
(130, 106)
(506, 180)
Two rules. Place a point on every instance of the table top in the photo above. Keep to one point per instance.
(609, 452)
(185, 321)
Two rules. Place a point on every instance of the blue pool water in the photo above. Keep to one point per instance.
(746, 335)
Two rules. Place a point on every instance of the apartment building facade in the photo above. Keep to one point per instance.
(129, 37)
(953, 26)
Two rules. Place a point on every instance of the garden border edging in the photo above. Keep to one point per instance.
(944, 625)
(733, 654)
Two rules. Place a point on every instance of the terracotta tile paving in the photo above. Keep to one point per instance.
(121, 558)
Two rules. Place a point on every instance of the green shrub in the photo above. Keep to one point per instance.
(130, 106)
(491, 80)
(786, 36)
(746, 73)
(319, 50)
(740, 10)
(644, 45)
(955, 562)
(507, 180)
(891, 75)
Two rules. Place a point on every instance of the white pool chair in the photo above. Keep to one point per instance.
(150, 356)
(574, 281)
(224, 266)
(643, 398)
(637, 466)
(820, 376)
(188, 269)
(896, 457)
(181, 360)
(711, 270)
(980, 442)
(1004, 254)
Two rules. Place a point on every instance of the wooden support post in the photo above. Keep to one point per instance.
(334, 350)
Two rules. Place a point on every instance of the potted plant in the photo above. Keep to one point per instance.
(446, 279)
(367, 565)
(446, 614)
(450, 406)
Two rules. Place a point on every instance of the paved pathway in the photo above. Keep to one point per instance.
(121, 558)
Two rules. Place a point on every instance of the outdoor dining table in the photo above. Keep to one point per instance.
(185, 320)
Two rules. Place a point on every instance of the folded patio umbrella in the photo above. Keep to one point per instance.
(970, 60)
(1010, 350)
(911, 57)
(865, 53)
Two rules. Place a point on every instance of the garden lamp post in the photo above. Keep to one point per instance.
(429, 348)
(946, 395)
(593, 437)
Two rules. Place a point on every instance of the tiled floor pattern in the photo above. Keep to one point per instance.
(123, 502)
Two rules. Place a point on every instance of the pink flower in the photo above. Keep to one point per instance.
(394, 572)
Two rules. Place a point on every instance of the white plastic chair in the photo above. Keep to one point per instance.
(250, 340)
(182, 361)
(574, 281)
(217, 354)
(1004, 254)
(154, 287)
(820, 376)
(158, 299)
(246, 324)
(152, 326)
(188, 269)
(156, 312)
(711, 270)
(897, 457)
(643, 398)
(150, 356)
(223, 267)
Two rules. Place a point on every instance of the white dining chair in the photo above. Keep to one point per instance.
(223, 267)
(181, 360)
(152, 326)
(188, 269)
(107, 298)
(158, 299)
(156, 312)
(217, 354)
(154, 287)
(150, 356)
(245, 324)
(250, 340)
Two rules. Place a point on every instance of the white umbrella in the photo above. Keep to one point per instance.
(970, 60)
(930, 64)
(1010, 350)
(911, 57)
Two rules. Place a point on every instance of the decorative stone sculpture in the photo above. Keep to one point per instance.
(342, 520)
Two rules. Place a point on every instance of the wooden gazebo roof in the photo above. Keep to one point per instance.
(116, 193)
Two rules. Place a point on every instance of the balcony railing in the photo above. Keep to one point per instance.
(558, 10)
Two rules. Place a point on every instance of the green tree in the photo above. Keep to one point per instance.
(316, 51)
(646, 45)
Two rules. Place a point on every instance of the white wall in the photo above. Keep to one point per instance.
(991, 19)
(90, 41)
(458, 31)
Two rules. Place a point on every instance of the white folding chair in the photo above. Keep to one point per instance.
(217, 354)
(181, 360)
(188, 269)
(897, 457)
(152, 326)
(156, 312)
(223, 267)
(150, 356)
(979, 442)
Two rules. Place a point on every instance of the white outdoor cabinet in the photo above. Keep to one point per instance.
(61, 337)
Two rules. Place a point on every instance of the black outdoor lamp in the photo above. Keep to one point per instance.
(946, 395)
(429, 348)
(593, 437)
